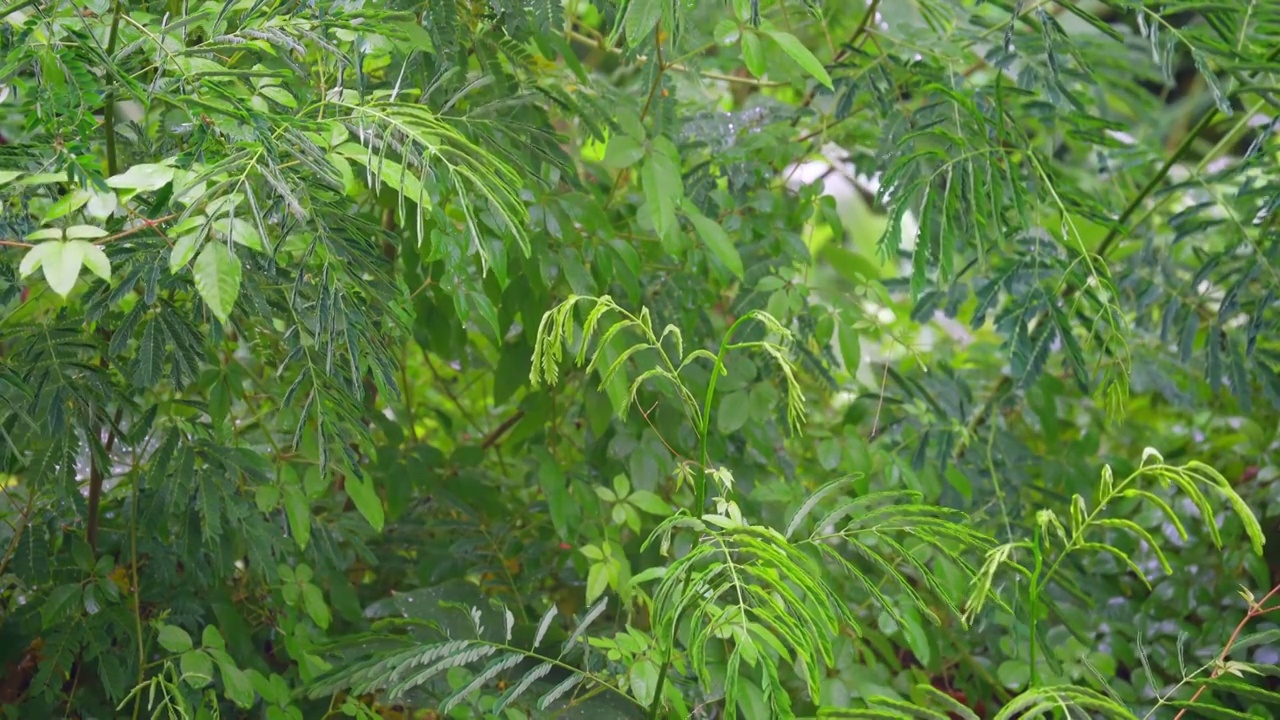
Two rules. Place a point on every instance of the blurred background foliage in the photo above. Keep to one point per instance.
(275, 442)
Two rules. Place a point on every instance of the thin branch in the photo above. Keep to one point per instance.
(1256, 609)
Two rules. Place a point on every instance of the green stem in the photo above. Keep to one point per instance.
(1208, 119)
(656, 707)
(1033, 600)
(700, 484)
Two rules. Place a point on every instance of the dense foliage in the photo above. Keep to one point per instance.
(639, 358)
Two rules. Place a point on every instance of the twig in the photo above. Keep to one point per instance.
(678, 67)
(1256, 609)
(492, 438)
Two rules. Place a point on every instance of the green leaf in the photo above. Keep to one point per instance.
(183, 250)
(727, 32)
(34, 258)
(142, 178)
(597, 581)
(217, 276)
(663, 190)
(733, 412)
(313, 602)
(717, 240)
(94, 259)
(61, 264)
(798, 52)
(555, 489)
(298, 512)
(211, 638)
(644, 681)
(174, 639)
(753, 53)
(197, 668)
(236, 684)
(84, 232)
(366, 501)
(623, 151)
(239, 231)
(641, 16)
(850, 349)
(649, 502)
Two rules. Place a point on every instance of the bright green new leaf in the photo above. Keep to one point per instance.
(94, 259)
(217, 275)
(717, 240)
(68, 204)
(239, 231)
(84, 232)
(45, 234)
(597, 581)
(61, 263)
(791, 45)
(753, 53)
(147, 177)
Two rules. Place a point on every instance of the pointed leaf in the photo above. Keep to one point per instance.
(717, 241)
(798, 52)
(298, 511)
(62, 266)
(217, 274)
(366, 501)
(183, 250)
(143, 178)
(94, 259)
(34, 258)
(641, 16)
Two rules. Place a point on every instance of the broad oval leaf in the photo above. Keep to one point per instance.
(142, 178)
(174, 639)
(218, 274)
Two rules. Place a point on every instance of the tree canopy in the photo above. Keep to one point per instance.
(639, 359)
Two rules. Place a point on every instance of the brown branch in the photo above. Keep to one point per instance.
(1256, 609)
(492, 438)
